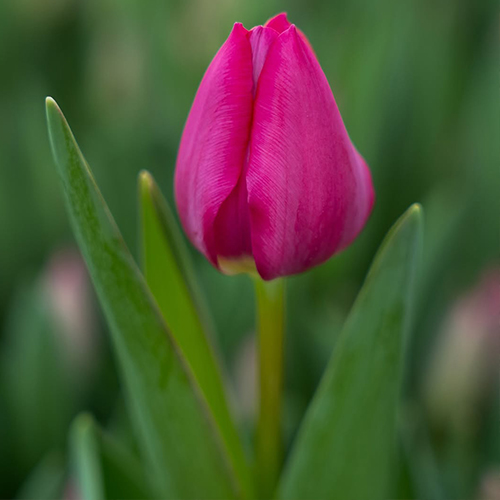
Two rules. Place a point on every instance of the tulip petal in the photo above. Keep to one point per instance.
(309, 191)
(261, 39)
(214, 143)
(232, 225)
(279, 23)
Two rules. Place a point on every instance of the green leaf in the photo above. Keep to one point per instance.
(175, 427)
(104, 470)
(169, 275)
(418, 456)
(39, 398)
(86, 458)
(346, 445)
(124, 477)
(46, 481)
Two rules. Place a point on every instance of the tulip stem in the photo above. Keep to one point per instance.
(270, 326)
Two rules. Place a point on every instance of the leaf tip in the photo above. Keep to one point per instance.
(415, 210)
(413, 217)
(51, 106)
(82, 422)
(415, 214)
(54, 116)
(49, 101)
(145, 179)
(146, 184)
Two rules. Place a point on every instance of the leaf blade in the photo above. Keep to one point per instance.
(46, 480)
(103, 469)
(168, 410)
(85, 458)
(169, 276)
(345, 445)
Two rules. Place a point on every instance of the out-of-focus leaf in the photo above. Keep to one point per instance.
(38, 395)
(124, 477)
(345, 447)
(169, 276)
(418, 455)
(46, 481)
(175, 427)
(86, 459)
(103, 469)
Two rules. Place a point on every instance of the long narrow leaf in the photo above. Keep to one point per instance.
(170, 278)
(46, 481)
(172, 418)
(102, 468)
(86, 459)
(346, 445)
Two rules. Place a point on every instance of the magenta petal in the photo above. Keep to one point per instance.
(261, 39)
(232, 225)
(279, 23)
(309, 191)
(214, 143)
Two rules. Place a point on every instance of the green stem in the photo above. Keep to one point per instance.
(270, 326)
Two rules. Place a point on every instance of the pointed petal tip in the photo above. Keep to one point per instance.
(293, 30)
(282, 16)
(239, 29)
(280, 22)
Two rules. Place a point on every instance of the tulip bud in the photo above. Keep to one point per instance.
(489, 488)
(463, 370)
(66, 287)
(267, 178)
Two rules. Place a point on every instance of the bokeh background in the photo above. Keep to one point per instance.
(417, 83)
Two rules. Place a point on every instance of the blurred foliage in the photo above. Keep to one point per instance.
(417, 84)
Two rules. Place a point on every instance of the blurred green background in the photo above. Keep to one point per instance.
(417, 83)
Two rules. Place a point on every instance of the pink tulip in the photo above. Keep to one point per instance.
(266, 173)
(462, 375)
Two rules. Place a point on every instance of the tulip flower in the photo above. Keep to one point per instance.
(267, 177)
